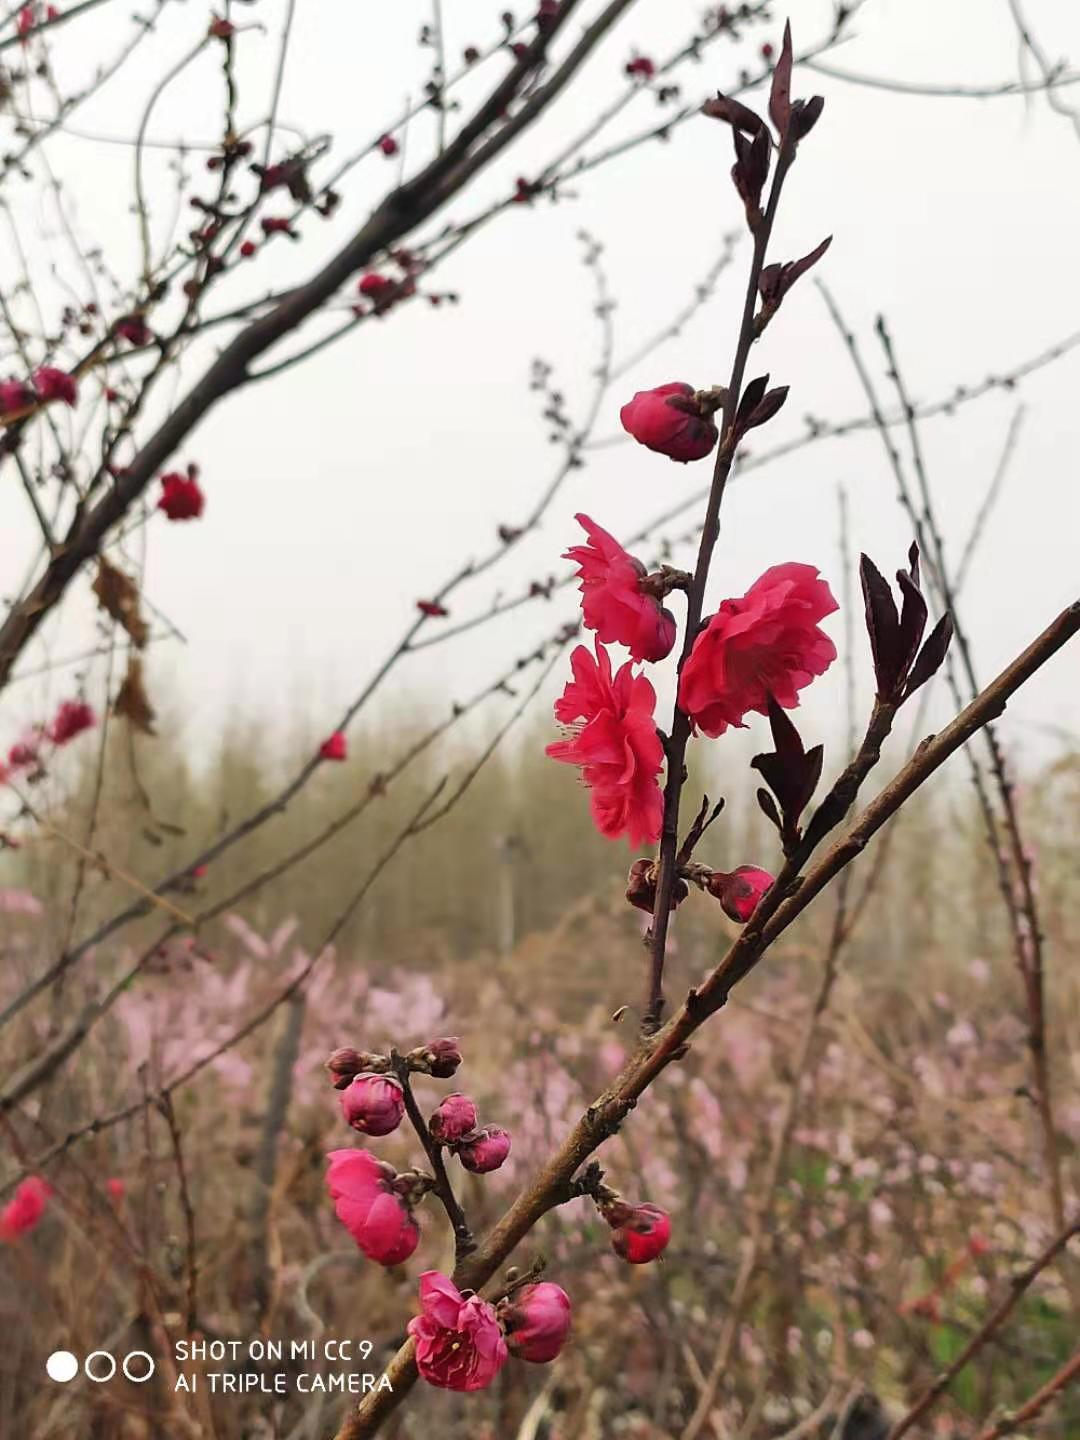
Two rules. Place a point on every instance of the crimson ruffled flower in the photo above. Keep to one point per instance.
(334, 747)
(613, 602)
(71, 719)
(25, 1208)
(740, 891)
(373, 1104)
(459, 1342)
(537, 1322)
(666, 420)
(181, 495)
(765, 643)
(485, 1151)
(454, 1119)
(613, 738)
(53, 384)
(641, 1235)
(375, 1215)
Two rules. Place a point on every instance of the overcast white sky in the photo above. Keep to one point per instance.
(342, 491)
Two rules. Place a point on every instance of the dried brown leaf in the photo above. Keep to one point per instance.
(118, 596)
(132, 703)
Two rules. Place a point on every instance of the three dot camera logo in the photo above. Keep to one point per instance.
(99, 1366)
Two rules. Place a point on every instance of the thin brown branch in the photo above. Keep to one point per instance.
(604, 1117)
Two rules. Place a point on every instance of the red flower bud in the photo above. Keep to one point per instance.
(641, 887)
(739, 892)
(666, 420)
(25, 1208)
(641, 66)
(181, 495)
(373, 284)
(334, 747)
(134, 329)
(344, 1064)
(537, 1322)
(454, 1119)
(486, 1151)
(248, 248)
(373, 1104)
(388, 145)
(641, 1236)
(440, 1058)
(432, 609)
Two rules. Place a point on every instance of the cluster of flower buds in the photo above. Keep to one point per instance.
(455, 1124)
(372, 1200)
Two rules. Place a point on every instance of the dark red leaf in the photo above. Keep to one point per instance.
(780, 94)
(931, 655)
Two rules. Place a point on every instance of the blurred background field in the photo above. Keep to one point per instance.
(911, 1188)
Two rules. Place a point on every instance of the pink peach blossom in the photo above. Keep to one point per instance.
(459, 1342)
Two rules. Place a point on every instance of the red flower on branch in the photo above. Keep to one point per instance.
(459, 1342)
(25, 1208)
(641, 67)
(613, 601)
(375, 1215)
(53, 384)
(613, 738)
(432, 609)
(181, 495)
(71, 719)
(388, 145)
(334, 747)
(765, 643)
(670, 421)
